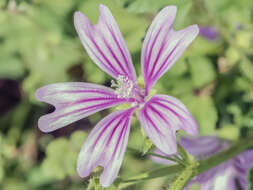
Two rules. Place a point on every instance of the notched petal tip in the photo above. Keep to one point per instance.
(81, 172)
(171, 8)
(43, 125)
(77, 16)
(104, 43)
(103, 7)
(43, 92)
(195, 29)
(192, 127)
(73, 101)
(80, 19)
(39, 94)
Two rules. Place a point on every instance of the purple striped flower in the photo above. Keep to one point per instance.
(160, 116)
(228, 175)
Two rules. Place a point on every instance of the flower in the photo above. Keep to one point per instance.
(210, 33)
(228, 175)
(160, 116)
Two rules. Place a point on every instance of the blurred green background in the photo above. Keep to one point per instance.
(39, 46)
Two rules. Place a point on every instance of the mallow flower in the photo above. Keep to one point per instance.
(160, 115)
(231, 175)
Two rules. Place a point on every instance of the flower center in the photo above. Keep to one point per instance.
(124, 86)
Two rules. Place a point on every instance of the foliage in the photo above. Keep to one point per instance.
(39, 46)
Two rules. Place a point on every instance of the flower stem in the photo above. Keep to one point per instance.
(203, 166)
(171, 158)
(184, 177)
(187, 173)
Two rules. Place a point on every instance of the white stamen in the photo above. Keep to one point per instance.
(123, 86)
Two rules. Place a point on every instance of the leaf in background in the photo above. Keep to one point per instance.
(232, 130)
(11, 67)
(61, 156)
(202, 46)
(204, 111)
(232, 56)
(93, 73)
(202, 71)
(141, 6)
(59, 7)
(244, 39)
(178, 69)
(246, 69)
(14, 184)
(77, 139)
(2, 173)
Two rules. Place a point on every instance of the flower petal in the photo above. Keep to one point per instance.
(246, 159)
(105, 44)
(243, 163)
(225, 180)
(222, 181)
(163, 46)
(74, 101)
(203, 146)
(161, 117)
(105, 146)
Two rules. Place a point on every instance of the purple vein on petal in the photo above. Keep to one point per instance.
(164, 63)
(158, 113)
(103, 55)
(121, 51)
(105, 44)
(152, 46)
(151, 121)
(89, 109)
(77, 22)
(74, 101)
(120, 136)
(114, 56)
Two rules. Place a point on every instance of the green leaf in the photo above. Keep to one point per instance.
(77, 139)
(247, 69)
(202, 71)
(2, 173)
(202, 46)
(11, 67)
(61, 158)
(141, 6)
(93, 73)
(147, 145)
(201, 107)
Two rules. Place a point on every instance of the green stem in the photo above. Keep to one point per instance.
(203, 166)
(171, 158)
(184, 177)
(223, 156)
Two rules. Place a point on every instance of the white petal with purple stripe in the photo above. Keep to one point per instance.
(74, 101)
(163, 46)
(161, 117)
(105, 44)
(105, 146)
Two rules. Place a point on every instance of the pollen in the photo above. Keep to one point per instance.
(123, 86)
